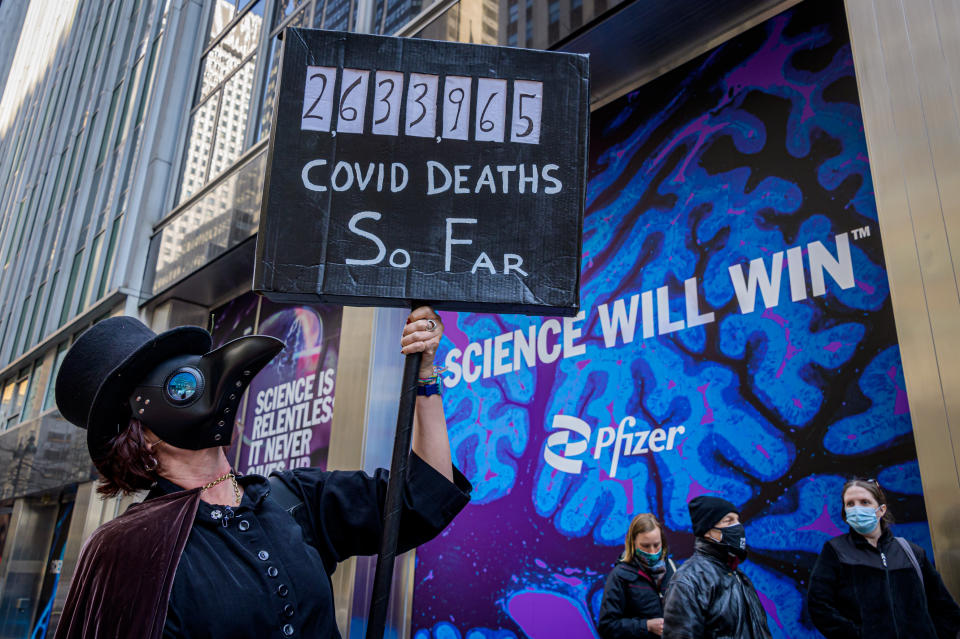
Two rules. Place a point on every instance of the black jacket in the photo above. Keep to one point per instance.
(174, 566)
(857, 590)
(709, 599)
(228, 582)
(630, 597)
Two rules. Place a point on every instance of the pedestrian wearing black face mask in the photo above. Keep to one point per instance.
(710, 596)
(210, 553)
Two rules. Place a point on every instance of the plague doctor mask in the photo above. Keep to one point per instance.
(191, 401)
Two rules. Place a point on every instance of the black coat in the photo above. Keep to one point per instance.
(255, 571)
(630, 597)
(708, 598)
(857, 590)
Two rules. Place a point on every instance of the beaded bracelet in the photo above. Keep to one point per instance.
(431, 379)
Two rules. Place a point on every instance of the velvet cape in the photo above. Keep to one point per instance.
(125, 571)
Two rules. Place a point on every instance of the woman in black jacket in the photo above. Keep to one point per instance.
(633, 595)
(868, 583)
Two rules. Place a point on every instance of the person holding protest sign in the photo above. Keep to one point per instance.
(209, 553)
(710, 596)
(869, 583)
(632, 603)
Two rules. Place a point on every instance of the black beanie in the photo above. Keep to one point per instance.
(706, 512)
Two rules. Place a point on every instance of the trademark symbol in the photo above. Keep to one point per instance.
(860, 233)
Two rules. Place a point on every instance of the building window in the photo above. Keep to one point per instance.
(108, 130)
(14, 394)
(23, 316)
(229, 66)
(6, 401)
(285, 8)
(48, 393)
(71, 285)
(28, 411)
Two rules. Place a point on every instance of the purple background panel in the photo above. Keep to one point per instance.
(312, 337)
(236, 318)
(744, 153)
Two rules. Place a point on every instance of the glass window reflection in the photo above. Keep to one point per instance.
(232, 122)
(219, 220)
(232, 50)
(222, 15)
(540, 25)
(198, 147)
(284, 9)
(231, 70)
(269, 89)
(334, 14)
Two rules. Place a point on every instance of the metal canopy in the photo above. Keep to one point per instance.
(640, 40)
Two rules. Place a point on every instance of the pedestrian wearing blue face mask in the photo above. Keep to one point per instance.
(869, 583)
(632, 597)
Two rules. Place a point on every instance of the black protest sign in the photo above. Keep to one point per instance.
(404, 169)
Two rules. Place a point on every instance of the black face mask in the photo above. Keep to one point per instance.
(735, 539)
(191, 401)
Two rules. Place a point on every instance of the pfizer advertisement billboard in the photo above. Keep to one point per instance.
(736, 338)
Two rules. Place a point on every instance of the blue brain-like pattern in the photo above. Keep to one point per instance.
(779, 405)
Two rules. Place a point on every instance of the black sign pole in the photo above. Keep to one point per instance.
(383, 578)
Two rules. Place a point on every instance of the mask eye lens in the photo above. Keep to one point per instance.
(182, 386)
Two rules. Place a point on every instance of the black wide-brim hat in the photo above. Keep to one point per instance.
(105, 365)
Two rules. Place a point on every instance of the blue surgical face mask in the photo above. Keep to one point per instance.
(862, 519)
(650, 559)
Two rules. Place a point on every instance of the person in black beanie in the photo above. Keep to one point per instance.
(710, 596)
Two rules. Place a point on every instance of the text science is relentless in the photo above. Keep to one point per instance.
(422, 170)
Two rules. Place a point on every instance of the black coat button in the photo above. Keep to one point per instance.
(288, 610)
(272, 572)
(244, 524)
(288, 630)
(263, 555)
(282, 590)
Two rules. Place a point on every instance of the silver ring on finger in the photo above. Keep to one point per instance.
(431, 325)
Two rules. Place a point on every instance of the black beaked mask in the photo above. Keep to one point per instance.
(191, 401)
